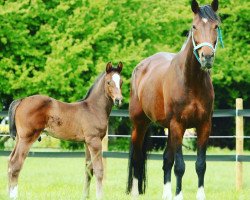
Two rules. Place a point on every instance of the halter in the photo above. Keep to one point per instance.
(196, 47)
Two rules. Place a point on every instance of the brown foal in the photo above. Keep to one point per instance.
(175, 91)
(83, 121)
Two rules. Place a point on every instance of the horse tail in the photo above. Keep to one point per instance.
(12, 122)
(138, 165)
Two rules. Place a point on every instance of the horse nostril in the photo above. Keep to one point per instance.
(202, 54)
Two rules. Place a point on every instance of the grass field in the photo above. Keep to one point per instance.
(62, 178)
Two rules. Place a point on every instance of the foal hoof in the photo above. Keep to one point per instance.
(13, 191)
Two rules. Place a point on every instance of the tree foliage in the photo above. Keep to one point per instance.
(57, 47)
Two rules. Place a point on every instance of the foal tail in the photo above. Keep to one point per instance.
(12, 112)
(137, 165)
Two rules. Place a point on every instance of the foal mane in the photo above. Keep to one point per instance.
(96, 81)
(93, 86)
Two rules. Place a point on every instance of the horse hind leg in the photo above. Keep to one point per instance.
(16, 161)
(88, 173)
(137, 162)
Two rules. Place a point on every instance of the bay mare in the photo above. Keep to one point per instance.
(84, 121)
(175, 91)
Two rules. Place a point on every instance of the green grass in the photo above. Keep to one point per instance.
(62, 178)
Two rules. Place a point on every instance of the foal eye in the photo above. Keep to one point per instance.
(194, 27)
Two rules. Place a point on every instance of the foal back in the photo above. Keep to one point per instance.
(37, 113)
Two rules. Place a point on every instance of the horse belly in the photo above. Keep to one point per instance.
(153, 106)
(60, 129)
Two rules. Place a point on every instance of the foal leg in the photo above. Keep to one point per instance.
(203, 133)
(95, 148)
(168, 161)
(88, 173)
(16, 161)
(176, 134)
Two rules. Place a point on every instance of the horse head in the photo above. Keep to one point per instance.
(205, 32)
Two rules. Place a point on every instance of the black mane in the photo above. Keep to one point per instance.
(92, 87)
(208, 13)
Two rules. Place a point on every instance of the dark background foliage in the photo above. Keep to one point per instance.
(58, 48)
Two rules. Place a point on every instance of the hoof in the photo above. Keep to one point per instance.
(13, 192)
(135, 190)
(179, 196)
(201, 194)
(167, 193)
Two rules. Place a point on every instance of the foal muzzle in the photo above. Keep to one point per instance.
(117, 101)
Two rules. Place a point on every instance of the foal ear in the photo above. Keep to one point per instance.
(195, 6)
(119, 67)
(215, 5)
(109, 67)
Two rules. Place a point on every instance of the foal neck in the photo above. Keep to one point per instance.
(98, 99)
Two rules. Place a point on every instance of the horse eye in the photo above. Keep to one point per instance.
(216, 26)
(108, 82)
(194, 27)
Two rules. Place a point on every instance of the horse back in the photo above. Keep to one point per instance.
(147, 85)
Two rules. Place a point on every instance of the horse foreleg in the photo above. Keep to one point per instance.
(16, 161)
(95, 148)
(88, 173)
(179, 170)
(168, 161)
(176, 134)
(203, 133)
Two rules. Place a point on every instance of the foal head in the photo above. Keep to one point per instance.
(113, 83)
(205, 32)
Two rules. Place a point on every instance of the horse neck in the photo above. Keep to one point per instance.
(99, 100)
(193, 74)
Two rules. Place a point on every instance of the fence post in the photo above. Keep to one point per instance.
(239, 144)
(105, 148)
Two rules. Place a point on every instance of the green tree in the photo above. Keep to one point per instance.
(58, 47)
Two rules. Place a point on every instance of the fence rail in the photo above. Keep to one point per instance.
(151, 156)
(239, 137)
(217, 113)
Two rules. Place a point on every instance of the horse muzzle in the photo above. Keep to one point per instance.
(207, 61)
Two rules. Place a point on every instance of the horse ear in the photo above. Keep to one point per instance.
(109, 67)
(215, 5)
(195, 6)
(119, 67)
